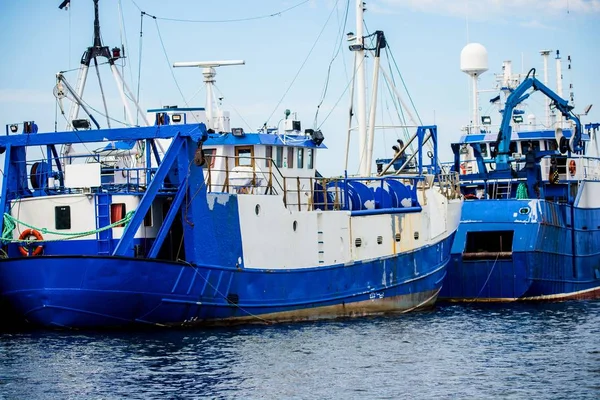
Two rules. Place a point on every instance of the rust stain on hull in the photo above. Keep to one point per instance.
(392, 305)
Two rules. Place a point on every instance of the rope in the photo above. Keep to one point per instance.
(10, 224)
(522, 191)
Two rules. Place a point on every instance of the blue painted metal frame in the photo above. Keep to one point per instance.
(168, 221)
(123, 247)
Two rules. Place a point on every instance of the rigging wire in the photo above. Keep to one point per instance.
(162, 44)
(339, 98)
(335, 55)
(275, 14)
(140, 53)
(233, 108)
(303, 64)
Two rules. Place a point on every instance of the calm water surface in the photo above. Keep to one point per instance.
(548, 351)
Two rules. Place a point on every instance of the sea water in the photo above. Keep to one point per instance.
(469, 351)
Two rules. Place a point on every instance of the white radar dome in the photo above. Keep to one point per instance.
(474, 59)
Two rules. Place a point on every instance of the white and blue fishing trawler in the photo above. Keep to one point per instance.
(187, 222)
(530, 227)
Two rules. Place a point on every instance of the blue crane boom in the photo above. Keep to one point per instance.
(518, 96)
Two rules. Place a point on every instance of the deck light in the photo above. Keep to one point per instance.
(486, 120)
(517, 119)
(81, 124)
(14, 128)
(237, 132)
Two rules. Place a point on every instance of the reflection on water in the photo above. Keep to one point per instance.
(455, 351)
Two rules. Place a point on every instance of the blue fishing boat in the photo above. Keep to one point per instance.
(188, 222)
(530, 227)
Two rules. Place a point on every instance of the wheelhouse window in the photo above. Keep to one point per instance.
(484, 150)
(244, 156)
(279, 158)
(290, 157)
(62, 217)
(310, 158)
(209, 156)
(530, 145)
(117, 213)
(268, 156)
(300, 155)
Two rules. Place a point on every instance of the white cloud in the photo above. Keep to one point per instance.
(487, 9)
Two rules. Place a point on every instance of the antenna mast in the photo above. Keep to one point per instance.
(91, 54)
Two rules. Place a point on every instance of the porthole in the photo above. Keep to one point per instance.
(397, 237)
(358, 242)
(257, 209)
(295, 225)
(379, 239)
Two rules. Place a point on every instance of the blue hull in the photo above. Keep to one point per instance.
(110, 292)
(555, 253)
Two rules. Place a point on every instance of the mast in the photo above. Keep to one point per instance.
(361, 112)
(545, 54)
(559, 85)
(209, 73)
(380, 44)
(91, 54)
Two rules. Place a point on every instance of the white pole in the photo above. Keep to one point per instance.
(102, 93)
(350, 114)
(545, 54)
(405, 108)
(209, 79)
(119, 82)
(362, 91)
(559, 88)
(475, 104)
(372, 111)
(132, 97)
(74, 111)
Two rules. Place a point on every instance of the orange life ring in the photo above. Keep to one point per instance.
(27, 233)
(572, 167)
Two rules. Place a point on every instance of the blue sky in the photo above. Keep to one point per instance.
(426, 37)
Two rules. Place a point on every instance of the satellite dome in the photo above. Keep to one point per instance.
(474, 59)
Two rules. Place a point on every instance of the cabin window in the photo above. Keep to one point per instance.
(290, 157)
(62, 217)
(268, 156)
(484, 150)
(209, 156)
(491, 245)
(244, 156)
(310, 157)
(279, 158)
(300, 161)
(117, 213)
(530, 144)
(551, 144)
(148, 218)
(512, 147)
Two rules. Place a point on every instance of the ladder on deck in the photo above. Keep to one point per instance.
(104, 238)
(502, 190)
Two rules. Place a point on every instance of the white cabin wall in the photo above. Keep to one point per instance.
(324, 238)
(83, 215)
